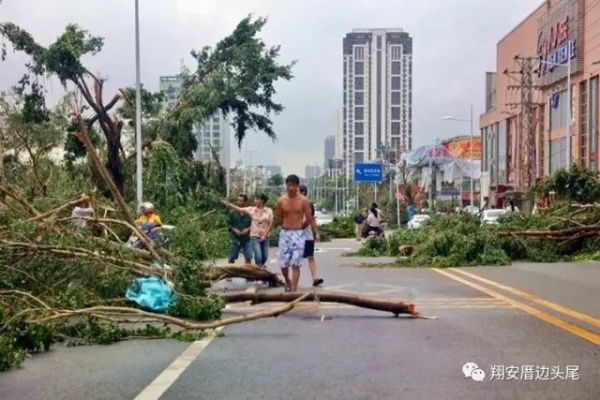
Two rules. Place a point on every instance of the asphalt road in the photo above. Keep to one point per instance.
(331, 352)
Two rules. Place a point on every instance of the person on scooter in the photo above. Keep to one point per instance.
(374, 220)
(149, 222)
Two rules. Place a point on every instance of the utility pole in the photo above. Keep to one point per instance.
(523, 76)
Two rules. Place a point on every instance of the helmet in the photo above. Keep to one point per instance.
(146, 207)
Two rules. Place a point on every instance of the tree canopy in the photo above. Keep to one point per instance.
(236, 77)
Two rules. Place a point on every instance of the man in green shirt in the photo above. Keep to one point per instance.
(239, 228)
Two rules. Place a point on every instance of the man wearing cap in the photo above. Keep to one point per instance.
(311, 233)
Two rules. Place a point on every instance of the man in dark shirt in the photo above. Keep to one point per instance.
(239, 228)
(359, 223)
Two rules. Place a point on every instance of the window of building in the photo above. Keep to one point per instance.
(396, 98)
(359, 98)
(583, 121)
(558, 154)
(359, 143)
(396, 68)
(593, 126)
(395, 113)
(359, 113)
(359, 128)
(502, 153)
(359, 68)
(359, 53)
(395, 83)
(395, 128)
(542, 143)
(359, 157)
(359, 83)
(558, 110)
(396, 53)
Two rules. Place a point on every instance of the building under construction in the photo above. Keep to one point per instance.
(529, 109)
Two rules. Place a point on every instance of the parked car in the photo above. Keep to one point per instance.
(491, 216)
(473, 210)
(322, 218)
(417, 220)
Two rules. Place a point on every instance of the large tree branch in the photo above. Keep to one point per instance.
(113, 102)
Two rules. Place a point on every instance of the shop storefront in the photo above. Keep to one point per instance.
(557, 37)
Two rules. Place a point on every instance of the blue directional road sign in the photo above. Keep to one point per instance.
(368, 172)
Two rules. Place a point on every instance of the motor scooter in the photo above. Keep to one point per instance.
(155, 235)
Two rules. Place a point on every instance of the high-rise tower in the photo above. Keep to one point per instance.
(377, 113)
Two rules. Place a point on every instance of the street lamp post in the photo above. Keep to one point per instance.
(138, 109)
(569, 104)
(471, 122)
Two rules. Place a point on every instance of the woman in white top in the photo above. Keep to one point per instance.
(262, 223)
(374, 220)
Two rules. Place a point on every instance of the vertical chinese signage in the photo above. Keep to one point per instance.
(560, 41)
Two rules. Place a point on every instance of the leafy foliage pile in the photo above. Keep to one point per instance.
(342, 227)
(561, 233)
(59, 283)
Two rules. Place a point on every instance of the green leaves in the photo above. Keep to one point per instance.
(62, 58)
(236, 77)
(579, 184)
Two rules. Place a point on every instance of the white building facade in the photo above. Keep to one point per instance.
(377, 101)
(213, 134)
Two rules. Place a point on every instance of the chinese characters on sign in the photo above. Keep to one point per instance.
(368, 172)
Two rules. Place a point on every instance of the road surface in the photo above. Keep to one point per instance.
(533, 330)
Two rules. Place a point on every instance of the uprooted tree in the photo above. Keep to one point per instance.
(59, 282)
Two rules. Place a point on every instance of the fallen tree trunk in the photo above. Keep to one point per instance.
(394, 307)
(216, 273)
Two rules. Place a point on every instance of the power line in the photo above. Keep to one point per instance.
(528, 109)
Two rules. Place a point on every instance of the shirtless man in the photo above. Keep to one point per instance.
(293, 213)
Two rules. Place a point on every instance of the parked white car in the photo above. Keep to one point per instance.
(491, 216)
(473, 210)
(417, 220)
(322, 218)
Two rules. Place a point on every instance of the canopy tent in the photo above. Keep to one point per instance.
(439, 158)
(428, 156)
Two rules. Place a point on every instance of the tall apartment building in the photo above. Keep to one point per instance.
(377, 99)
(329, 150)
(213, 134)
(312, 171)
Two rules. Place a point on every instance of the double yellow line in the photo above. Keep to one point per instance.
(560, 323)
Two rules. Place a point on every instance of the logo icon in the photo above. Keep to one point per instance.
(472, 370)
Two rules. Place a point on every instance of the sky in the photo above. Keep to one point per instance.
(454, 44)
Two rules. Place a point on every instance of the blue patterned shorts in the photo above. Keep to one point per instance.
(291, 248)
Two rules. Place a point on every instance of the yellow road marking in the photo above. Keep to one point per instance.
(553, 306)
(567, 326)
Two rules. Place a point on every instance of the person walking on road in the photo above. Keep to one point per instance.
(312, 234)
(239, 227)
(359, 224)
(293, 213)
(261, 223)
